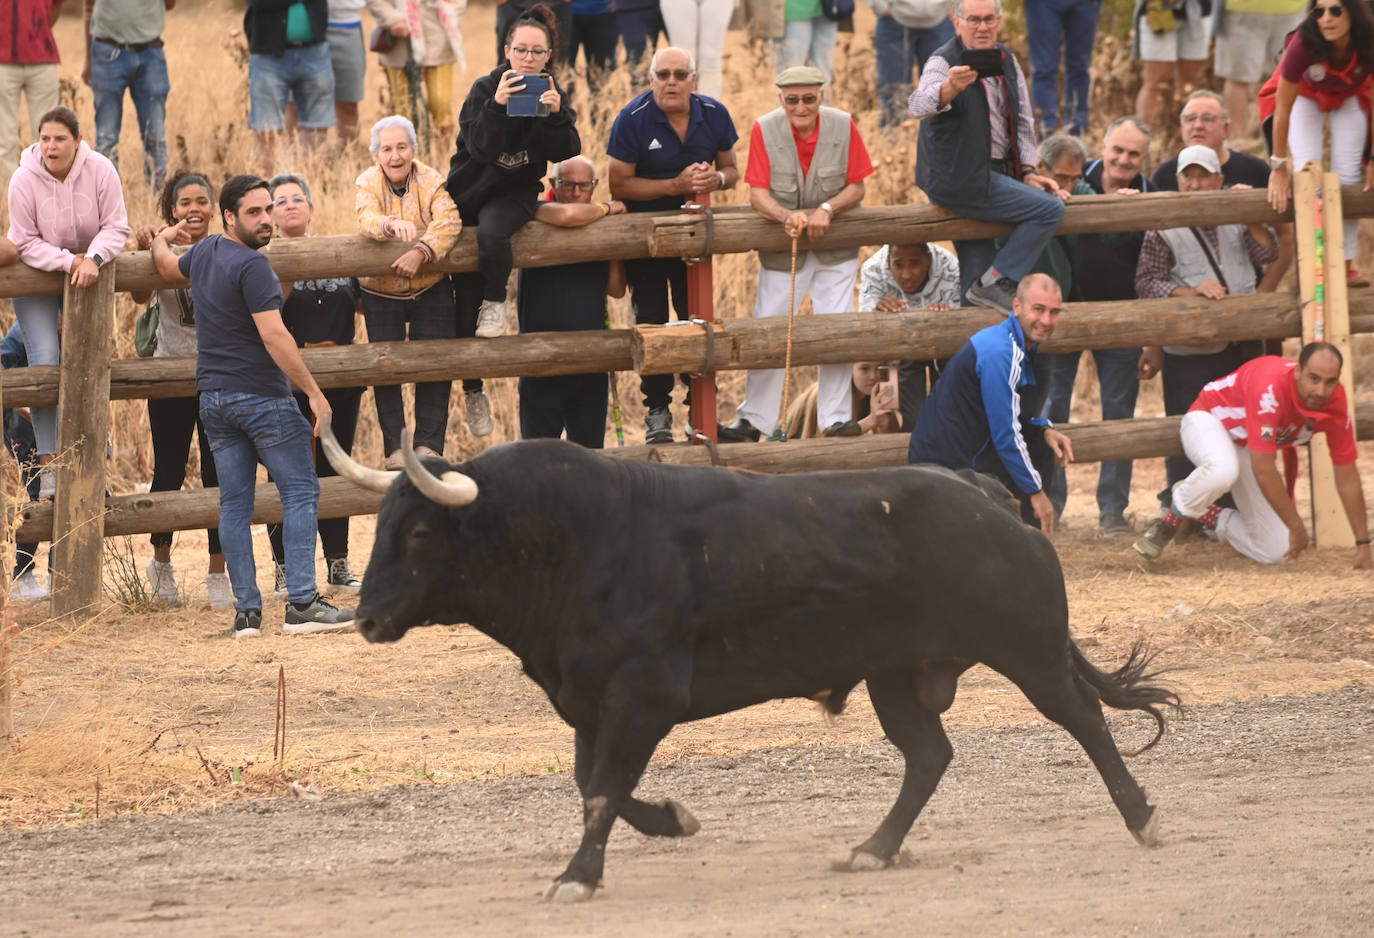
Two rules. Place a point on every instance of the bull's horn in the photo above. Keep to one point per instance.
(452, 488)
(346, 466)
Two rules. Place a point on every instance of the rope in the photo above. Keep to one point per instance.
(781, 431)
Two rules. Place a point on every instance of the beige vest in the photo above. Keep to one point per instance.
(824, 180)
(1191, 267)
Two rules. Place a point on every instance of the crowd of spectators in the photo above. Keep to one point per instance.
(991, 407)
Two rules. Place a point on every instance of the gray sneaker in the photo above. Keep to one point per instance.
(997, 295)
(479, 413)
(491, 319)
(248, 624)
(278, 580)
(319, 616)
(1113, 526)
(658, 426)
(1156, 537)
(341, 578)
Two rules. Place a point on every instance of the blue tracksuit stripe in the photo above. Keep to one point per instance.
(999, 372)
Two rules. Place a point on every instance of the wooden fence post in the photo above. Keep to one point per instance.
(83, 431)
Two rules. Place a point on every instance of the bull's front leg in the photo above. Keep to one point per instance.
(639, 706)
(666, 818)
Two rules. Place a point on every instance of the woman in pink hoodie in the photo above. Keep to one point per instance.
(66, 213)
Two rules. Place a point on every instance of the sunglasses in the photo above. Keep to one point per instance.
(1336, 12)
(679, 74)
(792, 100)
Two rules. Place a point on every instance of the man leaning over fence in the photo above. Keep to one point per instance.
(246, 361)
(977, 153)
(807, 164)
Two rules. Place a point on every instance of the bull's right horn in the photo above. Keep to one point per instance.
(452, 488)
(347, 467)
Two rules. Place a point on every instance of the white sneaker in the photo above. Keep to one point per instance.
(47, 482)
(162, 581)
(479, 413)
(26, 588)
(491, 320)
(278, 580)
(217, 588)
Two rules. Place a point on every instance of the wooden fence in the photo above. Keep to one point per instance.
(82, 385)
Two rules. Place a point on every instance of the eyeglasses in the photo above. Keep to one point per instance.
(678, 74)
(792, 100)
(1066, 180)
(524, 52)
(1336, 12)
(293, 200)
(574, 186)
(1200, 119)
(976, 21)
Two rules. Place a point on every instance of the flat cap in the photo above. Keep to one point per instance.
(800, 75)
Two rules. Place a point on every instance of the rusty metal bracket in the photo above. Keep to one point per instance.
(705, 211)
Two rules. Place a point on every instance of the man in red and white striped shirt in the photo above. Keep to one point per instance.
(1233, 433)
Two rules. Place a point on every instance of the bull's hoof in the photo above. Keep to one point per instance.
(568, 892)
(689, 824)
(861, 861)
(1148, 836)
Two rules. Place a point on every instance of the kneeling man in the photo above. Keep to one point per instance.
(977, 416)
(1232, 434)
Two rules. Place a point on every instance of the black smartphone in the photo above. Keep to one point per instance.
(525, 102)
(986, 62)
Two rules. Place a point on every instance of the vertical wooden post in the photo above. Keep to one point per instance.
(701, 304)
(1330, 527)
(7, 563)
(83, 430)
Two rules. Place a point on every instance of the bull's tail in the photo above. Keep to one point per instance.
(1129, 687)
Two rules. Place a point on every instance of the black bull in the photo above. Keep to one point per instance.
(640, 596)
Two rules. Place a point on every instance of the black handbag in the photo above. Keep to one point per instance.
(837, 9)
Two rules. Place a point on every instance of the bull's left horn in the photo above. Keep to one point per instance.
(346, 466)
(452, 488)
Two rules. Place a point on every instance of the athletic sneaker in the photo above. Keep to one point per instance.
(248, 624)
(996, 295)
(47, 482)
(162, 580)
(218, 590)
(1152, 543)
(278, 580)
(26, 588)
(1113, 526)
(658, 425)
(479, 413)
(341, 578)
(491, 319)
(319, 616)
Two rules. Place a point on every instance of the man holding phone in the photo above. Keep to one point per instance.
(978, 153)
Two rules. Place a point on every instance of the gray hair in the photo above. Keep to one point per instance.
(691, 59)
(285, 179)
(957, 6)
(1057, 146)
(558, 167)
(1134, 119)
(1210, 95)
(395, 120)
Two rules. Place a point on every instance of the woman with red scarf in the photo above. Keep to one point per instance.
(1325, 74)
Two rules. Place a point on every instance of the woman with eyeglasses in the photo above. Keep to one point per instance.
(495, 175)
(1325, 78)
(186, 197)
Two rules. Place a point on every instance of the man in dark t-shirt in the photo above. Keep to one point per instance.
(568, 298)
(245, 363)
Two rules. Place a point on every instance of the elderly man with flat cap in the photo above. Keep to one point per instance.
(807, 164)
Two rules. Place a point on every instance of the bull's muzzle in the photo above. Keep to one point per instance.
(350, 469)
(452, 488)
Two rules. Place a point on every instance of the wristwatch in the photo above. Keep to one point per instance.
(1276, 161)
(96, 258)
(825, 207)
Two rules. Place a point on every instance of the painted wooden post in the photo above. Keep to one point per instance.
(83, 429)
(701, 305)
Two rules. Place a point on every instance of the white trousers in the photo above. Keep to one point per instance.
(832, 291)
(699, 27)
(1252, 527)
(1349, 127)
(38, 83)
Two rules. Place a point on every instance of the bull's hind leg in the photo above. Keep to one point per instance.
(917, 731)
(666, 818)
(1073, 704)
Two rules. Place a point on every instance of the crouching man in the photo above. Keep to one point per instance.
(1233, 433)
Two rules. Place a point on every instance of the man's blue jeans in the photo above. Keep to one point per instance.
(900, 48)
(1035, 213)
(144, 75)
(1116, 375)
(639, 31)
(1052, 26)
(244, 430)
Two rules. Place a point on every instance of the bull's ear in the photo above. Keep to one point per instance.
(346, 466)
(452, 488)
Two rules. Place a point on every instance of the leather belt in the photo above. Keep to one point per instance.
(130, 46)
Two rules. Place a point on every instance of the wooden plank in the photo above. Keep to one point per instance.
(1330, 526)
(83, 429)
(6, 611)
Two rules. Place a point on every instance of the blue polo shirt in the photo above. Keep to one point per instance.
(643, 136)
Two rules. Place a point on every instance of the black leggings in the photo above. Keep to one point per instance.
(333, 531)
(499, 217)
(171, 419)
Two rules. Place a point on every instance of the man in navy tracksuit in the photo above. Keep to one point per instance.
(979, 415)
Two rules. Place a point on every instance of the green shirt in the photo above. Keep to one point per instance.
(298, 24)
(803, 10)
(128, 21)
